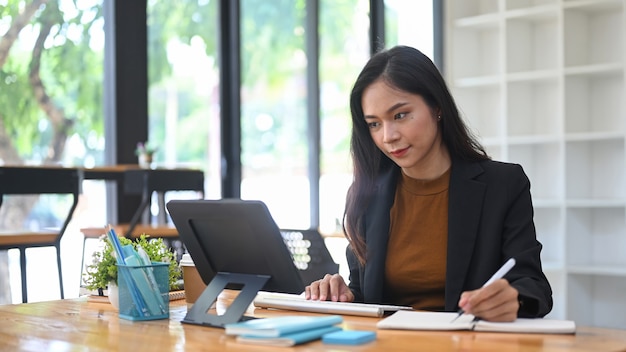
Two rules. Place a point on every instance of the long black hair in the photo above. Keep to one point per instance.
(409, 70)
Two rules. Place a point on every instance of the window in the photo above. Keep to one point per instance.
(274, 99)
(51, 112)
(184, 93)
(183, 81)
(56, 115)
(410, 23)
(273, 109)
(344, 49)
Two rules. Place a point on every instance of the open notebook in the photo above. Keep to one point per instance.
(420, 320)
(299, 303)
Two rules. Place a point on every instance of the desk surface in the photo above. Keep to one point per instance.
(135, 186)
(115, 172)
(76, 324)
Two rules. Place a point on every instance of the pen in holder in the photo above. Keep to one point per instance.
(138, 296)
(143, 286)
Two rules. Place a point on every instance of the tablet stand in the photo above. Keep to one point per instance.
(199, 313)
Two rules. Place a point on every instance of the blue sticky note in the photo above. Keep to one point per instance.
(349, 337)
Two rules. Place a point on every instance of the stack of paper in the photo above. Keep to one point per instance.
(283, 331)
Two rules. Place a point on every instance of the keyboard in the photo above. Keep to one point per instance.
(299, 303)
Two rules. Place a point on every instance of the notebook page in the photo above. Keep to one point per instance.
(422, 320)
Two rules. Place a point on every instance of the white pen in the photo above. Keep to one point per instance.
(497, 276)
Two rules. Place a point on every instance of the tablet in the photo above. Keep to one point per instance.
(235, 236)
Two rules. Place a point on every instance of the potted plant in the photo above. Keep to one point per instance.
(102, 272)
(145, 154)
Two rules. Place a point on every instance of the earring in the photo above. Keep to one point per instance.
(439, 118)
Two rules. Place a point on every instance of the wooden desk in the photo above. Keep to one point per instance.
(76, 324)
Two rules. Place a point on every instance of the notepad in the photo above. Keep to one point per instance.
(289, 340)
(284, 330)
(349, 337)
(279, 326)
(419, 320)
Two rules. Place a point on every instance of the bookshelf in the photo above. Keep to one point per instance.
(541, 82)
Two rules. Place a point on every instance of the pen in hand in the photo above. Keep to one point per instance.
(497, 276)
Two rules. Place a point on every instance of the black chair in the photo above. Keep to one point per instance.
(38, 181)
(310, 254)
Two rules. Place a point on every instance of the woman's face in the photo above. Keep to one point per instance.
(405, 129)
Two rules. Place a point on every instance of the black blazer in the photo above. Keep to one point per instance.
(490, 219)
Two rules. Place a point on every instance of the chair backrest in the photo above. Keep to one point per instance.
(27, 180)
(32, 180)
(310, 254)
(24, 180)
(162, 180)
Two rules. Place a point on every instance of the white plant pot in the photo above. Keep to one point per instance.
(113, 293)
(145, 160)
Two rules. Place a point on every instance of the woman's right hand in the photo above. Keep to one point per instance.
(331, 288)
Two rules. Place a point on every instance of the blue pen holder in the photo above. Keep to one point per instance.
(143, 291)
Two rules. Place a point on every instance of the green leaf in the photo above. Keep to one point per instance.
(104, 266)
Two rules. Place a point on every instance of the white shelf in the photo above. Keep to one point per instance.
(530, 43)
(484, 81)
(594, 103)
(593, 33)
(539, 202)
(472, 8)
(480, 21)
(552, 268)
(610, 69)
(477, 63)
(529, 76)
(540, 12)
(595, 170)
(594, 5)
(531, 5)
(549, 228)
(598, 270)
(542, 83)
(597, 236)
(594, 136)
(541, 164)
(533, 108)
(599, 300)
(533, 139)
(484, 101)
(595, 203)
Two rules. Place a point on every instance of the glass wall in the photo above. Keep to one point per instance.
(410, 23)
(57, 118)
(184, 100)
(273, 109)
(51, 82)
(344, 49)
(51, 113)
(183, 82)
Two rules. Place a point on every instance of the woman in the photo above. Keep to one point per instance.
(429, 217)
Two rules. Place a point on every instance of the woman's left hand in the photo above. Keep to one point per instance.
(495, 302)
